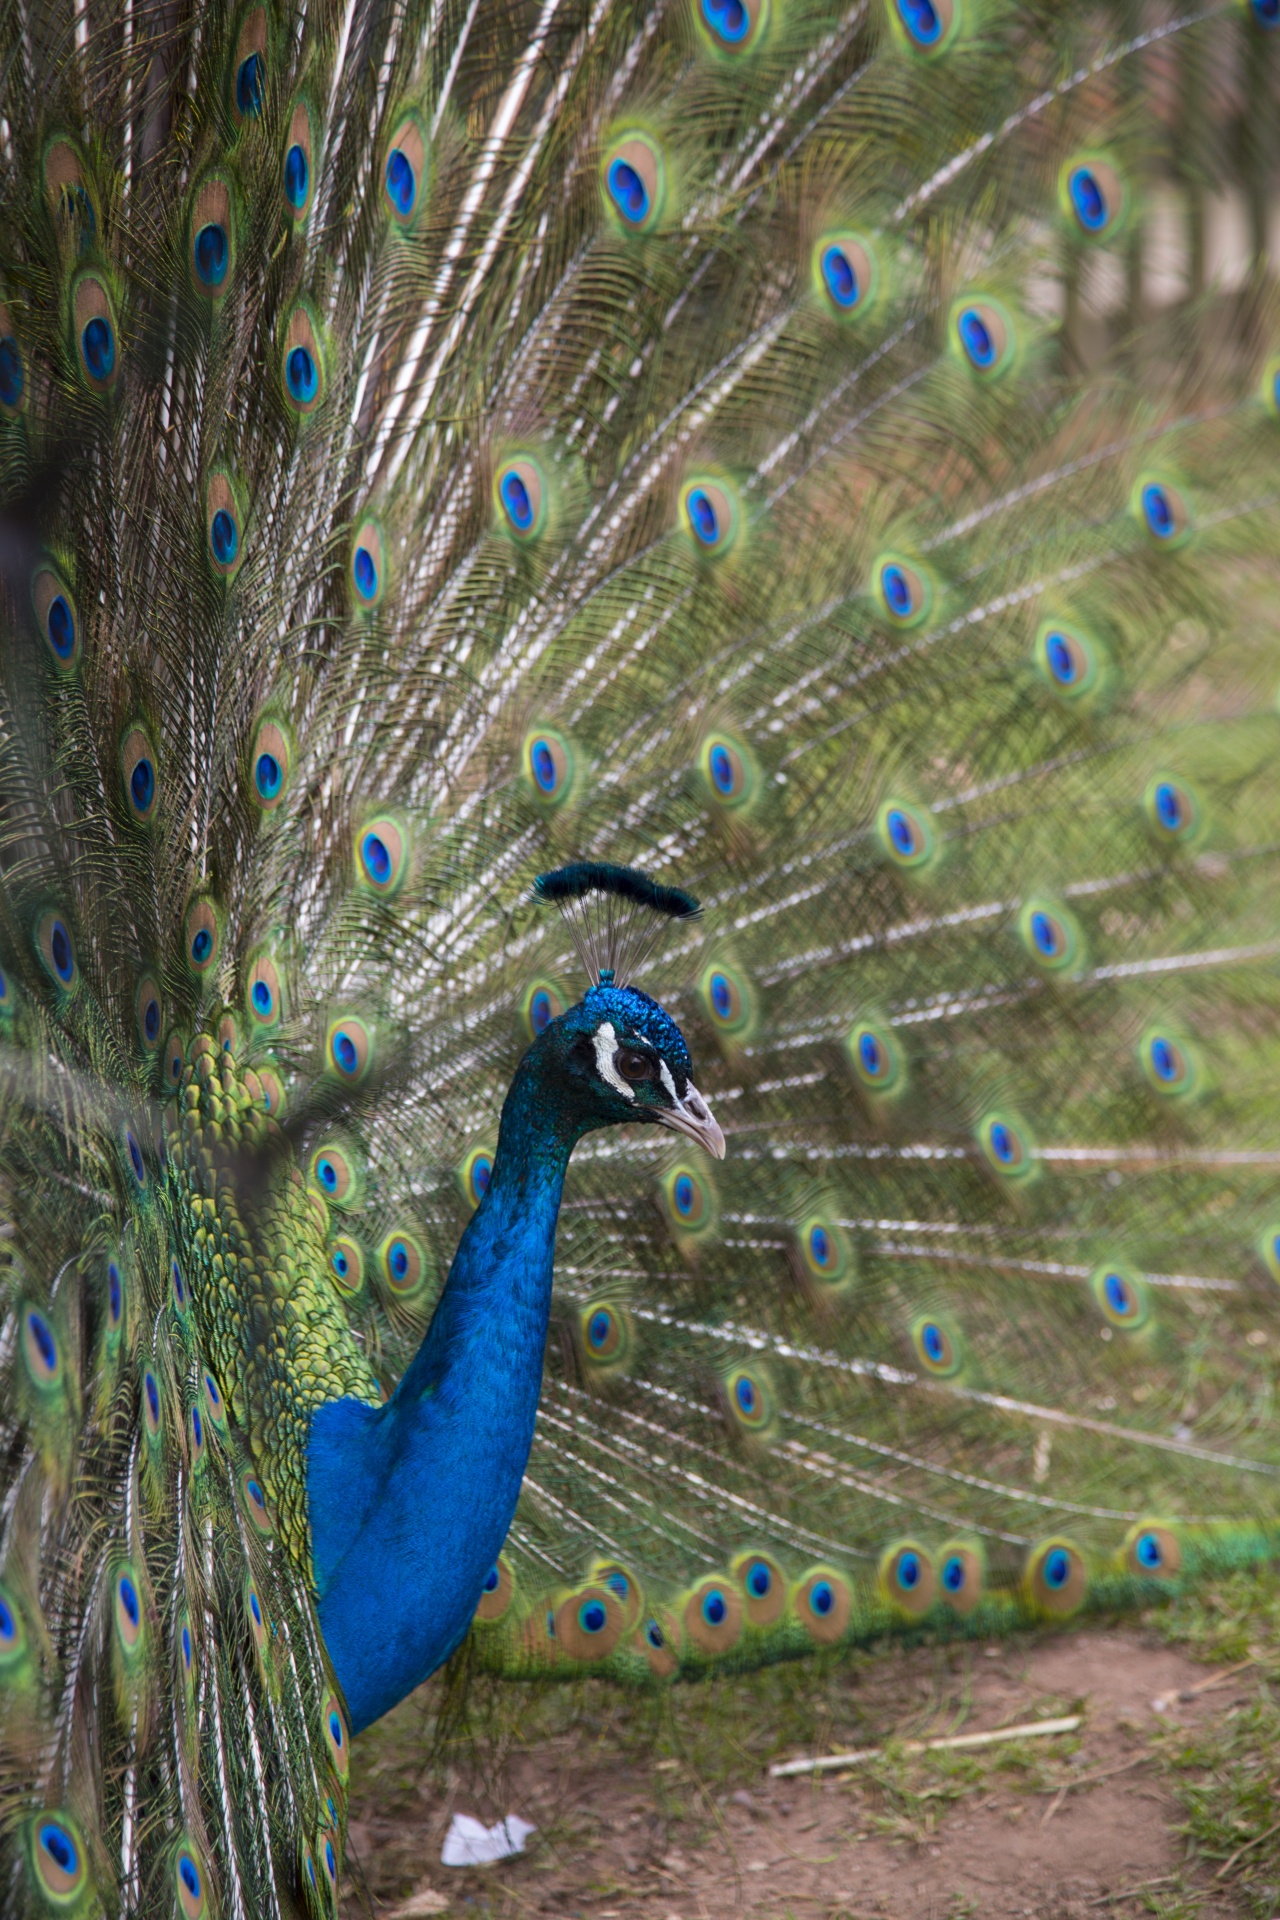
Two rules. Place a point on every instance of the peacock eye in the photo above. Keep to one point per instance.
(634, 1066)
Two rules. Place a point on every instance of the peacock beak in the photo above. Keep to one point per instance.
(693, 1116)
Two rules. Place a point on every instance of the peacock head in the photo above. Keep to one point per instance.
(618, 1055)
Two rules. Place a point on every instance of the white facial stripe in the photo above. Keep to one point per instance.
(667, 1081)
(605, 1041)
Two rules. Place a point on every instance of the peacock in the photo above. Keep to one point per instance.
(639, 989)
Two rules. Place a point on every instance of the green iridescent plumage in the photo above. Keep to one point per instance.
(441, 446)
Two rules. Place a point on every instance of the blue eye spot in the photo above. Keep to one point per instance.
(481, 1174)
(263, 999)
(190, 1878)
(1266, 12)
(921, 20)
(721, 996)
(212, 254)
(618, 1583)
(628, 191)
(1150, 1552)
(821, 1598)
(1087, 199)
(492, 1580)
(11, 376)
(297, 177)
(335, 1728)
(1002, 1144)
(59, 1846)
(98, 345)
(654, 1635)
(211, 1388)
(142, 785)
(1057, 1568)
(1169, 808)
(186, 1648)
(820, 1246)
(953, 1575)
(153, 1397)
(223, 537)
(840, 279)
(684, 1194)
(256, 1494)
(702, 517)
(933, 1340)
(398, 1259)
(714, 1607)
(377, 859)
(976, 338)
(745, 1392)
(267, 774)
(329, 1860)
(345, 1053)
(1119, 1294)
(128, 1599)
(540, 1011)
(901, 832)
(599, 1328)
(722, 774)
(759, 1579)
(61, 627)
(301, 375)
(1157, 511)
(197, 1427)
(327, 1174)
(135, 1157)
(515, 498)
(1045, 934)
(593, 1617)
(249, 86)
(402, 187)
(151, 1020)
(202, 946)
(727, 19)
(42, 1334)
(341, 1264)
(1062, 661)
(897, 591)
(60, 952)
(870, 1052)
(544, 766)
(1164, 1059)
(908, 1572)
(255, 1608)
(365, 572)
(115, 1293)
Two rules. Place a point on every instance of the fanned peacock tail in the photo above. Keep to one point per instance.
(446, 443)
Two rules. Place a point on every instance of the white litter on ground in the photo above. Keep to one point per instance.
(469, 1843)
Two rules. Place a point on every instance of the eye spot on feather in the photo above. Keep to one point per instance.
(1163, 511)
(728, 998)
(1092, 193)
(1167, 1063)
(40, 1349)
(1122, 1296)
(764, 1588)
(148, 1013)
(497, 1592)
(522, 497)
(1266, 13)
(548, 766)
(211, 239)
(133, 1155)
(825, 1251)
(203, 936)
(151, 1404)
(876, 1056)
(270, 764)
(54, 945)
(475, 1173)
(368, 567)
(690, 1200)
(906, 834)
(984, 334)
(929, 26)
(13, 1635)
(750, 1399)
(254, 1502)
(908, 1578)
(55, 611)
(189, 1882)
(304, 372)
(382, 855)
(710, 513)
(845, 274)
(1056, 1578)
(634, 177)
(733, 26)
(1006, 1146)
(728, 771)
(404, 174)
(936, 1347)
(1050, 936)
(335, 1733)
(540, 1006)
(58, 1858)
(95, 329)
(824, 1605)
(961, 1577)
(12, 373)
(115, 1295)
(348, 1049)
(298, 158)
(403, 1264)
(1173, 810)
(128, 1610)
(713, 1616)
(1152, 1551)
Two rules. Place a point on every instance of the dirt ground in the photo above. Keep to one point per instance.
(1061, 1828)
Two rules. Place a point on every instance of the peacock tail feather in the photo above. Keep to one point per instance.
(442, 443)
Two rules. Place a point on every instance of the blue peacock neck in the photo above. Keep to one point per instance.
(410, 1502)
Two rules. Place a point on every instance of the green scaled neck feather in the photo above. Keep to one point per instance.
(681, 445)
